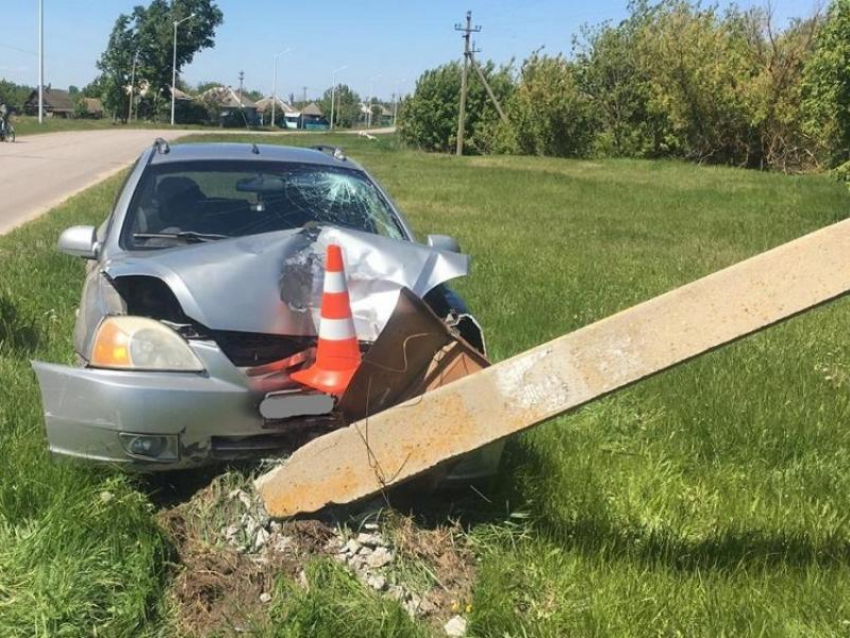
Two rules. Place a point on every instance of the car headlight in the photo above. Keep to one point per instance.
(137, 343)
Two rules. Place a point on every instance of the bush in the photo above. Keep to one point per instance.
(826, 86)
(548, 113)
(428, 118)
(672, 80)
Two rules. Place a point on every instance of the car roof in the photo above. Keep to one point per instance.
(211, 151)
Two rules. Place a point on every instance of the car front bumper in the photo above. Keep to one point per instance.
(213, 415)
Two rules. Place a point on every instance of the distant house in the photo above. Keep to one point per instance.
(232, 109)
(313, 118)
(264, 109)
(94, 107)
(383, 117)
(57, 103)
(310, 118)
(180, 96)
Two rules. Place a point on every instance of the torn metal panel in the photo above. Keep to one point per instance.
(409, 357)
(415, 353)
(561, 375)
(272, 283)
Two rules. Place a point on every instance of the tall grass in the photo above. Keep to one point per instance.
(79, 553)
(711, 500)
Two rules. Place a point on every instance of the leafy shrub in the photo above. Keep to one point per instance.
(826, 85)
(428, 118)
(549, 114)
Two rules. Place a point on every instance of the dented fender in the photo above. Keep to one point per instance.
(85, 409)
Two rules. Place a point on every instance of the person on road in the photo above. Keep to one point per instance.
(4, 117)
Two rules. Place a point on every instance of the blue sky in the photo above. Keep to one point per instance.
(395, 41)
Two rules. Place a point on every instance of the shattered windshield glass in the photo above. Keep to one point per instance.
(196, 202)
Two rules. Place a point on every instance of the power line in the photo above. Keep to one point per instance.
(467, 54)
(9, 46)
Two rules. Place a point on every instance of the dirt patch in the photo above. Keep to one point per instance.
(231, 554)
(444, 551)
(217, 589)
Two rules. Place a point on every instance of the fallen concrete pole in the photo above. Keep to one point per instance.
(568, 372)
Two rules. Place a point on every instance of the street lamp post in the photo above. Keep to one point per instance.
(369, 106)
(133, 86)
(333, 91)
(40, 61)
(177, 23)
(398, 86)
(274, 85)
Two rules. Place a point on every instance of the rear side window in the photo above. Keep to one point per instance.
(213, 200)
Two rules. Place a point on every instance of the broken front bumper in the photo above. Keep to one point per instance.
(91, 413)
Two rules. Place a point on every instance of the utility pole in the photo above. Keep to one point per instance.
(396, 100)
(40, 61)
(467, 54)
(241, 85)
(274, 86)
(132, 86)
(177, 23)
(371, 98)
(333, 91)
(304, 101)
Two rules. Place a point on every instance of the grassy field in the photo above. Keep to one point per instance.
(712, 500)
(28, 125)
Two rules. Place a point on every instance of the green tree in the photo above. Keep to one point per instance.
(697, 69)
(15, 95)
(609, 71)
(93, 88)
(115, 65)
(826, 86)
(548, 113)
(150, 31)
(347, 109)
(428, 118)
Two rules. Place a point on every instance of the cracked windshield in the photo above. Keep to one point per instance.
(186, 203)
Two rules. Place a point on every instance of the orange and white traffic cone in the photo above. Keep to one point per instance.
(338, 355)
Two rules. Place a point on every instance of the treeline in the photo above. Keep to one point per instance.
(14, 95)
(674, 79)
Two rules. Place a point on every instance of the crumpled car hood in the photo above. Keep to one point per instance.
(272, 283)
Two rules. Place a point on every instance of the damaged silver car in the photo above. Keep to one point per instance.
(202, 294)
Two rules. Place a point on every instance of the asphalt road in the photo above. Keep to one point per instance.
(38, 172)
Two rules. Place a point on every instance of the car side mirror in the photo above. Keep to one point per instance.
(444, 242)
(79, 241)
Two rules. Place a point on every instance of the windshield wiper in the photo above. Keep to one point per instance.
(189, 236)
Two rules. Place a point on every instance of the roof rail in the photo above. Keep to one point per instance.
(335, 151)
(161, 146)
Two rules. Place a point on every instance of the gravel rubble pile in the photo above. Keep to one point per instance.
(369, 554)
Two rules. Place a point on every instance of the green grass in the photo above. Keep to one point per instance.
(711, 500)
(28, 125)
(79, 552)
